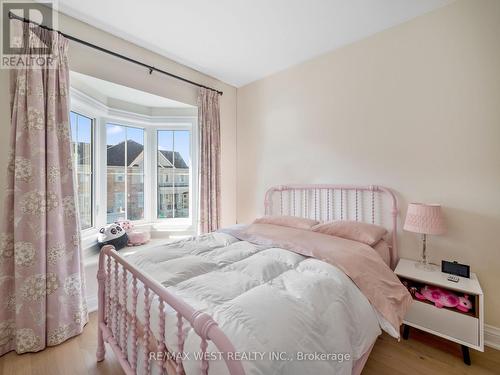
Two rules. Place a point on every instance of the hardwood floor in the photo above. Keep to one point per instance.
(74, 357)
(421, 354)
(426, 354)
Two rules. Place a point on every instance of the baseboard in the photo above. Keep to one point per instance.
(492, 336)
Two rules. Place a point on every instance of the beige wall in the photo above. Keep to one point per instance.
(415, 108)
(88, 61)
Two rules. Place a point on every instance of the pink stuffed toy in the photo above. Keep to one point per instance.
(126, 225)
(135, 238)
(464, 304)
(444, 298)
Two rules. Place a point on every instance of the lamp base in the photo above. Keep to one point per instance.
(426, 267)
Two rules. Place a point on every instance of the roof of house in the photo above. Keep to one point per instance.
(116, 154)
(179, 161)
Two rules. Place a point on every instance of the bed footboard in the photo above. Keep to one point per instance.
(119, 325)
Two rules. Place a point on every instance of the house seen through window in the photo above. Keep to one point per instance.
(173, 165)
(125, 173)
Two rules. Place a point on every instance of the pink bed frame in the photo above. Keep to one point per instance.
(118, 325)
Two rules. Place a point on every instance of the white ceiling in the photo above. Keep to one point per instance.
(103, 90)
(240, 41)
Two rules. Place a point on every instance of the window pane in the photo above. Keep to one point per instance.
(85, 199)
(115, 173)
(165, 173)
(181, 167)
(116, 197)
(115, 144)
(135, 148)
(125, 173)
(84, 162)
(73, 121)
(135, 174)
(81, 136)
(135, 201)
(173, 173)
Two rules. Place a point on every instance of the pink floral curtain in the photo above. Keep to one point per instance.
(209, 127)
(42, 299)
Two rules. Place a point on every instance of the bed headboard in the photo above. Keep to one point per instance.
(372, 204)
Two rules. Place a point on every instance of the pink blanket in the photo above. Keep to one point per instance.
(357, 260)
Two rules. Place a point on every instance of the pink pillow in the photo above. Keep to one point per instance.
(137, 238)
(366, 233)
(288, 221)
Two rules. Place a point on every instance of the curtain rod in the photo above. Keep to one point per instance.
(85, 43)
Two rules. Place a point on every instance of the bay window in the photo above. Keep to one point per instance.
(133, 167)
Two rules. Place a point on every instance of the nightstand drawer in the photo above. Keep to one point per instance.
(448, 324)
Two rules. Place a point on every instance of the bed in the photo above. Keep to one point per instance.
(258, 299)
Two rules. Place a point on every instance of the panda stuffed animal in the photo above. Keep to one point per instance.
(112, 234)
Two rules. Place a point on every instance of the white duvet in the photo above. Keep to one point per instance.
(270, 302)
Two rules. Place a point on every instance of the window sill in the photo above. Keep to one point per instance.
(161, 231)
(89, 238)
(92, 256)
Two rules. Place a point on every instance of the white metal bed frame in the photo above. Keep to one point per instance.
(326, 202)
(118, 325)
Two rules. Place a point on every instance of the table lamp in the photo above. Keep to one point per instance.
(425, 219)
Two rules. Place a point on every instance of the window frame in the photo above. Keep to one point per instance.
(193, 177)
(93, 208)
(101, 116)
(106, 120)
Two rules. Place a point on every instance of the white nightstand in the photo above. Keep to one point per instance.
(466, 329)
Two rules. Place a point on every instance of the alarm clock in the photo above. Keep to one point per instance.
(455, 268)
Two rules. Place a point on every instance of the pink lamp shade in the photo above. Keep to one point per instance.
(424, 218)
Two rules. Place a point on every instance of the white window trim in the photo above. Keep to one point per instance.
(101, 115)
(177, 223)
